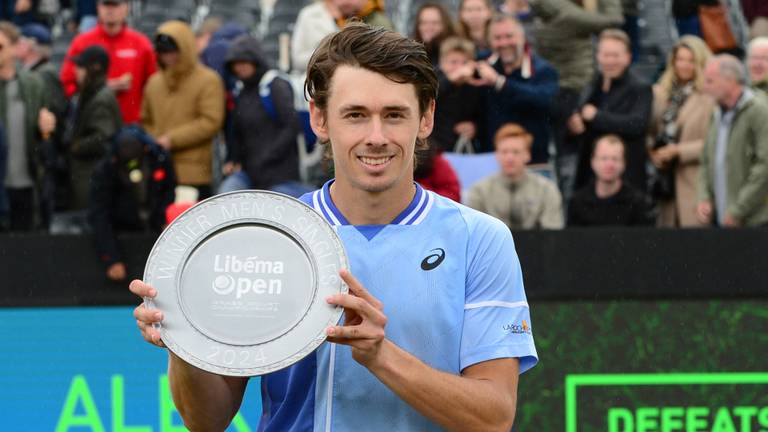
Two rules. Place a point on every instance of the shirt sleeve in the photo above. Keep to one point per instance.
(497, 320)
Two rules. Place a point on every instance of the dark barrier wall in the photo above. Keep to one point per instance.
(637, 330)
(557, 265)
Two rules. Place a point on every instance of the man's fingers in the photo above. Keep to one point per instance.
(147, 315)
(141, 289)
(339, 334)
(356, 288)
(360, 306)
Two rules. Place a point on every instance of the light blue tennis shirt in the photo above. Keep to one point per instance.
(452, 289)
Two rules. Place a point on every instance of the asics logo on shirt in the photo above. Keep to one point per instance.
(433, 260)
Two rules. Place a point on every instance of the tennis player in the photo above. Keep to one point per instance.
(437, 327)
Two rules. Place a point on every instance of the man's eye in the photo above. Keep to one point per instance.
(353, 115)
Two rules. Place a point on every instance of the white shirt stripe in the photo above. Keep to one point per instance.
(327, 208)
(496, 303)
(430, 201)
(408, 218)
(329, 395)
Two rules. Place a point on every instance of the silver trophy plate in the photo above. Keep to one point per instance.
(242, 278)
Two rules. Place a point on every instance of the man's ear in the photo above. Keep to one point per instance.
(318, 121)
(427, 122)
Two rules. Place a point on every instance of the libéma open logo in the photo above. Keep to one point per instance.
(247, 276)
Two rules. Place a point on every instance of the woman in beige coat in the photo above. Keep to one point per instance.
(681, 118)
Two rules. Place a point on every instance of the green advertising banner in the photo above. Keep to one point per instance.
(647, 366)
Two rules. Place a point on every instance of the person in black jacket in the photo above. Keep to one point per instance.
(264, 151)
(608, 200)
(458, 109)
(130, 190)
(616, 103)
(94, 119)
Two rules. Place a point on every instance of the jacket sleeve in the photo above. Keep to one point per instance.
(209, 120)
(100, 125)
(100, 202)
(577, 20)
(146, 118)
(284, 141)
(537, 91)
(754, 193)
(552, 213)
(704, 187)
(634, 123)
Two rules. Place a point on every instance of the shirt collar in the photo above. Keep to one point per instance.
(414, 214)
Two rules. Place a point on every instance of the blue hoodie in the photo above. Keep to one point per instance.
(214, 55)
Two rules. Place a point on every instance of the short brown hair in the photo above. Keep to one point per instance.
(513, 130)
(10, 31)
(378, 50)
(459, 45)
(617, 35)
(610, 139)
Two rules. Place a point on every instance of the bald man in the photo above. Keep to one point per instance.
(757, 61)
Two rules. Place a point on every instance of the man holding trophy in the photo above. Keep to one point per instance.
(436, 325)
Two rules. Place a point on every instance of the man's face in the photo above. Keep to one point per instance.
(243, 69)
(507, 40)
(513, 155)
(350, 8)
(715, 84)
(608, 161)
(7, 50)
(23, 48)
(452, 61)
(112, 13)
(168, 59)
(613, 58)
(430, 24)
(80, 74)
(372, 124)
(758, 63)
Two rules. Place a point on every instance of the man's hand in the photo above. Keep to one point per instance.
(121, 83)
(466, 129)
(22, 6)
(461, 75)
(488, 75)
(704, 212)
(46, 122)
(231, 167)
(576, 124)
(364, 321)
(588, 112)
(116, 271)
(731, 222)
(146, 318)
(164, 141)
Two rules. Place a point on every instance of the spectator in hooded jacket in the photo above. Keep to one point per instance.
(267, 156)
(183, 106)
(94, 119)
(130, 190)
(131, 57)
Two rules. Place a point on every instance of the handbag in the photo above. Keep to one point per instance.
(715, 28)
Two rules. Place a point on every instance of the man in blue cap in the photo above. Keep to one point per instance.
(34, 53)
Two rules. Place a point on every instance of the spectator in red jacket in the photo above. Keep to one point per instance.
(433, 172)
(131, 57)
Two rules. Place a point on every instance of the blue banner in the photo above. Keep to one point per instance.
(88, 369)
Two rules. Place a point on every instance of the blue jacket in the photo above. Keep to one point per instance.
(525, 101)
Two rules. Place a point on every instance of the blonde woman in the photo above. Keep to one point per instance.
(681, 118)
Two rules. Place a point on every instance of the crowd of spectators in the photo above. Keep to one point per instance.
(544, 89)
